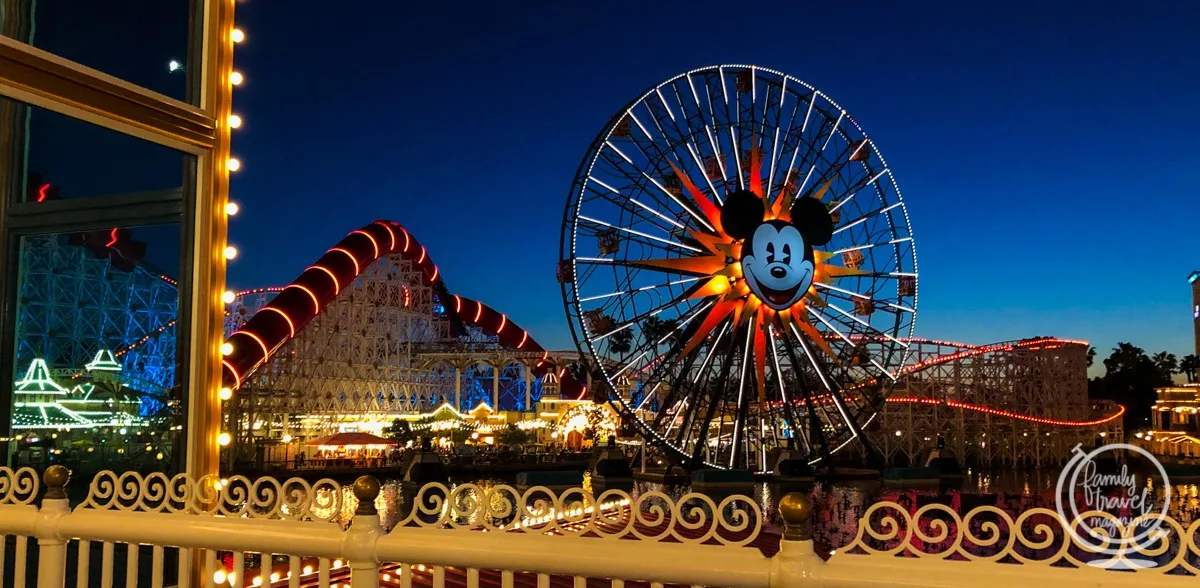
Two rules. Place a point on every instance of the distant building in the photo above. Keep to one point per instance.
(1194, 281)
(1176, 418)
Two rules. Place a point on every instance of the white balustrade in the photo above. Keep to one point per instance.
(498, 536)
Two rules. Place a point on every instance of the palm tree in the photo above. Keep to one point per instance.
(621, 342)
(1188, 367)
(1166, 363)
(656, 330)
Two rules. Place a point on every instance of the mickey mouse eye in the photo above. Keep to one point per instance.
(771, 252)
(787, 254)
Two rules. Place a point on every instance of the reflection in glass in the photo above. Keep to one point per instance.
(96, 358)
(48, 156)
(134, 40)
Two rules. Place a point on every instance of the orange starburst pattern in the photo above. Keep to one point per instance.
(724, 281)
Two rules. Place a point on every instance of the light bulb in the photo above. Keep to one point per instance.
(235, 78)
(231, 208)
(235, 121)
(219, 576)
(233, 164)
(223, 439)
(237, 36)
(286, 438)
(228, 297)
(226, 348)
(230, 252)
(225, 393)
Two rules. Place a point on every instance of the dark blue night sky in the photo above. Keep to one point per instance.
(1047, 151)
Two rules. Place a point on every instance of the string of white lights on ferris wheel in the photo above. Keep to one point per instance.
(233, 164)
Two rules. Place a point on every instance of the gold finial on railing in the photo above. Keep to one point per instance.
(797, 512)
(56, 477)
(366, 490)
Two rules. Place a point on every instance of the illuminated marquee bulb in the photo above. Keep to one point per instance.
(226, 348)
(228, 297)
(235, 121)
(233, 164)
(223, 439)
(225, 393)
(237, 36)
(235, 78)
(231, 252)
(231, 208)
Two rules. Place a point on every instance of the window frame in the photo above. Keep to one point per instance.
(43, 80)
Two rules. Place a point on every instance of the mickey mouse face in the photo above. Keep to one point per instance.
(777, 256)
(774, 265)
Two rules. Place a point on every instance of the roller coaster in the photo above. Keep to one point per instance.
(371, 331)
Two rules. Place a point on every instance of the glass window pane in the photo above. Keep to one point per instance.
(48, 156)
(96, 365)
(134, 40)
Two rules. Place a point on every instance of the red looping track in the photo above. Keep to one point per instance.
(302, 300)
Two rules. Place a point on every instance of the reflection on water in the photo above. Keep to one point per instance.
(839, 506)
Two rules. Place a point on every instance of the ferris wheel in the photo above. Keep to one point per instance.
(737, 263)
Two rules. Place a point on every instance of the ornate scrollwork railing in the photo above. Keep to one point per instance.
(236, 496)
(650, 516)
(1035, 536)
(18, 486)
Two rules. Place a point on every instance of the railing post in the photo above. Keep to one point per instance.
(52, 549)
(797, 563)
(365, 531)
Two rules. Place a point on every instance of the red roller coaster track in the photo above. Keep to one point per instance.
(301, 301)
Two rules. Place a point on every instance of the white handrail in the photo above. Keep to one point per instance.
(668, 563)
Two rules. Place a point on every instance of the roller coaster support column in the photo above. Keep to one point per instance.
(528, 385)
(496, 388)
(457, 388)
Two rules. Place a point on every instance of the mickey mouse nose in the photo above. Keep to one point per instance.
(778, 272)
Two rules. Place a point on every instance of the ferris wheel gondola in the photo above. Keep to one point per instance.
(735, 245)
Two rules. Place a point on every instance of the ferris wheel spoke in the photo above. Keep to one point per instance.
(850, 193)
(637, 290)
(652, 241)
(866, 216)
(794, 425)
(895, 241)
(671, 337)
(741, 395)
(636, 178)
(637, 203)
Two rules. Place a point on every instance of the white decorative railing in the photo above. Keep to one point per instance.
(234, 533)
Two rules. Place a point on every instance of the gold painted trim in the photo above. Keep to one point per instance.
(209, 234)
(34, 76)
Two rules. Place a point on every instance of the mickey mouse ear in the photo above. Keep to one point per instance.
(813, 221)
(742, 213)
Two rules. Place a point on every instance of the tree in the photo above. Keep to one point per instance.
(513, 436)
(1166, 363)
(401, 431)
(1091, 355)
(1130, 379)
(1188, 367)
(621, 342)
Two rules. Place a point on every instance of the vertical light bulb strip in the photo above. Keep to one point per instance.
(231, 208)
